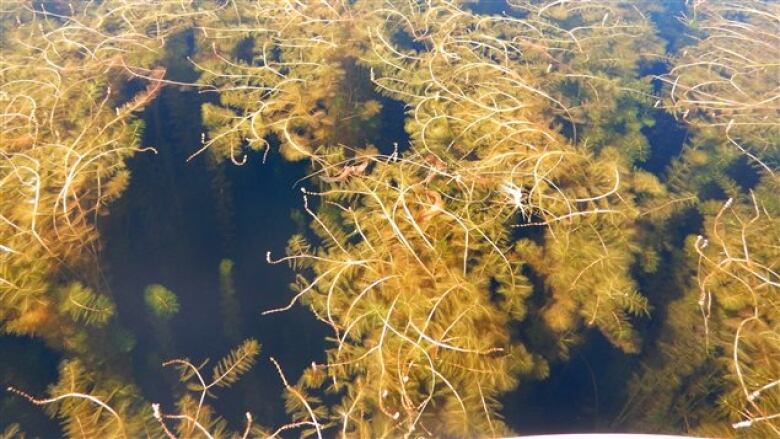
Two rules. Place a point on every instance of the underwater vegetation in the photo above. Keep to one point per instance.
(450, 271)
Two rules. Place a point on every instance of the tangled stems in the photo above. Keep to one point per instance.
(419, 258)
(727, 80)
(405, 291)
(483, 159)
(66, 135)
(738, 281)
(130, 417)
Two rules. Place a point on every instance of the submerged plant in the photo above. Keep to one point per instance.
(716, 375)
(230, 307)
(725, 84)
(66, 131)
(517, 203)
(92, 404)
(161, 301)
(734, 340)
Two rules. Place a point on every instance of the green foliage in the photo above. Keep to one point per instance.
(236, 363)
(161, 301)
(94, 404)
(196, 417)
(83, 305)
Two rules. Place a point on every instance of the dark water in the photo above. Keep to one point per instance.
(494, 7)
(173, 226)
(26, 363)
(581, 395)
(178, 220)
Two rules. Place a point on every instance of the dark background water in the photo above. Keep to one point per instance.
(174, 225)
(26, 363)
(178, 220)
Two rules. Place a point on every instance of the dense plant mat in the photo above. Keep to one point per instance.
(519, 219)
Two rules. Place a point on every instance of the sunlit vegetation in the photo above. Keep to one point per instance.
(724, 86)
(726, 83)
(518, 204)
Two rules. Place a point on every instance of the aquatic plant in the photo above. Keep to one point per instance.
(83, 305)
(521, 170)
(66, 131)
(386, 285)
(733, 286)
(161, 301)
(519, 181)
(726, 82)
(12, 431)
(67, 125)
(409, 244)
(738, 285)
(285, 84)
(725, 384)
(95, 404)
(194, 417)
(230, 307)
(589, 56)
(498, 105)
